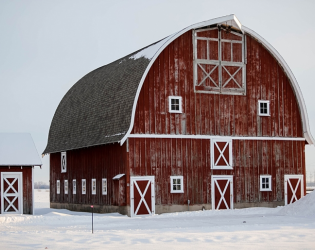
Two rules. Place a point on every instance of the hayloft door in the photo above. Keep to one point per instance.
(293, 188)
(11, 193)
(142, 195)
(222, 192)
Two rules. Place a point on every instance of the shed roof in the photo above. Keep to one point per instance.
(18, 149)
(100, 107)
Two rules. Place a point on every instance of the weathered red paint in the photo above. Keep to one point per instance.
(215, 114)
(97, 162)
(191, 158)
(27, 186)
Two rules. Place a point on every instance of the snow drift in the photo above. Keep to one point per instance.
(304, 206)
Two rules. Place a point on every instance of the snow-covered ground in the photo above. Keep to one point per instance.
(291, 227)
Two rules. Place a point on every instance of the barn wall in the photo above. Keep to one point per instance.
(215, 114)
(191, 158)
(27, 186)
(97, 162)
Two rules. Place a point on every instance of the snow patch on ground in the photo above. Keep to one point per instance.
(303, 207)
(249, 228)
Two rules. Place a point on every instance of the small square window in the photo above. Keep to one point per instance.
(93, 186)
(66, 186)
(83, 186)
(175, 104)
(177, 185)
(263, 108)
(74, 185)
(63, 162)
(58, 186)
(104, 186)
(265, 183)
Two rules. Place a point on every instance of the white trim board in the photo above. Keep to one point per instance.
(233, 19)
(216, 137)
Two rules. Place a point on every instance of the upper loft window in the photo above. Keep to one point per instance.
(263, 108)
(219, 61)
(63, 162)
(221, 150)
(175, 104)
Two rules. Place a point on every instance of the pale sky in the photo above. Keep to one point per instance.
(47, 46)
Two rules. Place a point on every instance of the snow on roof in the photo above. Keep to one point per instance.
(303, 207)
(149, 51)
(117, 177)
(18, 149)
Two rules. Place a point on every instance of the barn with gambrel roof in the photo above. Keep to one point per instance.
(209, 117)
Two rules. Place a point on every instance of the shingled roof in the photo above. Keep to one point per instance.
(97, 109)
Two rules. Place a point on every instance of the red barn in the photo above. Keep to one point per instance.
(210, 117)
(18, 156)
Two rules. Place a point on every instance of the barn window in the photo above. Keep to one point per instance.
(93, 186)
(263, 108)
(177, 185)
(58, 186)
(265, 183)
(175, 104)
(83, 186)
(63, 162)
(66, 186)
(104, 186)
(221, 151)
(219, 61)
(74, 185)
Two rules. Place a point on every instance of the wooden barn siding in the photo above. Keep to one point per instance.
(214, 114)
(97, 162)
(27, 186)
(163, 158)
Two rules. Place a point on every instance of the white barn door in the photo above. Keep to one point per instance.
(11, 193)
(293, 188)
(142, 195)
(222, 192)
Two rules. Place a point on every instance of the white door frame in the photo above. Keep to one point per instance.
(214, 178)
(301, 182)
(19, 196)
(132, 186)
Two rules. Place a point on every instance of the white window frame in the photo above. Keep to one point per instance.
(66, 186)
(104, 185)
(93, 188)
(181, 183)
(64, 170)
(74, 186)
(261, 183)
(268, 107)
(170, 104)
(58, 186)
(83, 182)
(230, 163)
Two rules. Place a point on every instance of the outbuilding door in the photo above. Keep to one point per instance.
(142, 195)
(222, 192)
(293, 188)
(11, 193)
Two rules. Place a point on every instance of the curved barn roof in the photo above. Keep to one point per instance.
(100, 107)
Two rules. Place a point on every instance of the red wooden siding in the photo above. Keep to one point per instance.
(27, 186)
(97, 162)
(215, 114)
(191, 158)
